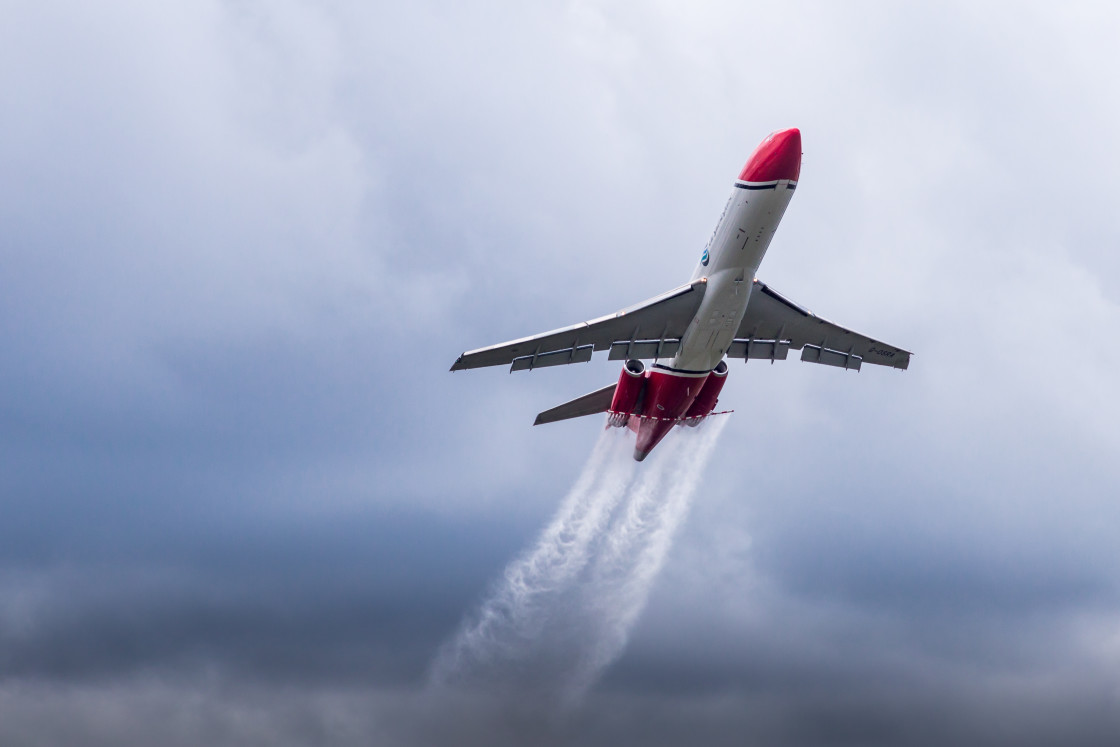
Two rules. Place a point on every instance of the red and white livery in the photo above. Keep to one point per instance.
(723, 312)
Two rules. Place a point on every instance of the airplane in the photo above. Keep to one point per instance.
(724, 311)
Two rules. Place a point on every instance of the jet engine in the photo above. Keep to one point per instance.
(706, 400)
(628, 392)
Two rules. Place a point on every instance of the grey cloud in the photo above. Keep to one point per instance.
(362, 599)
(243, 501)
(180, 712)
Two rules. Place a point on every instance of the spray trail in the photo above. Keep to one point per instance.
(562, 612)
(509, 624)
(634, 553)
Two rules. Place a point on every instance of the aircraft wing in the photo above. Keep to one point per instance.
(773, 324)
(651, 329)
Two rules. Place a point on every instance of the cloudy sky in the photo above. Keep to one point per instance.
(242, 501)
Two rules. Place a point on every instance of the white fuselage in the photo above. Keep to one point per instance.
(730, 262)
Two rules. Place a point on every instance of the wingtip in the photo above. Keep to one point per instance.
(455, 365)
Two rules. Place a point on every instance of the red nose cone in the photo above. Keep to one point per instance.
(778, 157)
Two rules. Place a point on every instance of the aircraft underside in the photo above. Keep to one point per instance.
(723, 312)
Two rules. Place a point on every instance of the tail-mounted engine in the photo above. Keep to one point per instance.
(706, 400)
(628, 393)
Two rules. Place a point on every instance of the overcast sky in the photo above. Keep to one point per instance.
(242, 500)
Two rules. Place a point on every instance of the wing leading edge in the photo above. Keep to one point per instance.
(773, 324)
(649, 329)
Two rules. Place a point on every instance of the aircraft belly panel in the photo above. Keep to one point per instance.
(737, 249)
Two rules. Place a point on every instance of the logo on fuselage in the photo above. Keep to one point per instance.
(704, 257)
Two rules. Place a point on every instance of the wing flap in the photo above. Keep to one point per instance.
(813, 354)
(772, 350)
(644, 349)
(581, 354)
(656, 323)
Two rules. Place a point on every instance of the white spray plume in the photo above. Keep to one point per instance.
(562, 612)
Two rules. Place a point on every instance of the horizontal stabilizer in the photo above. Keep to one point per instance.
(589, 404)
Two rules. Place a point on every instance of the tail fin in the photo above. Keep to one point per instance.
(589, 404)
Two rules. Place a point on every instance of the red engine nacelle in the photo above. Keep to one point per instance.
(706, 400)
(628, 392)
